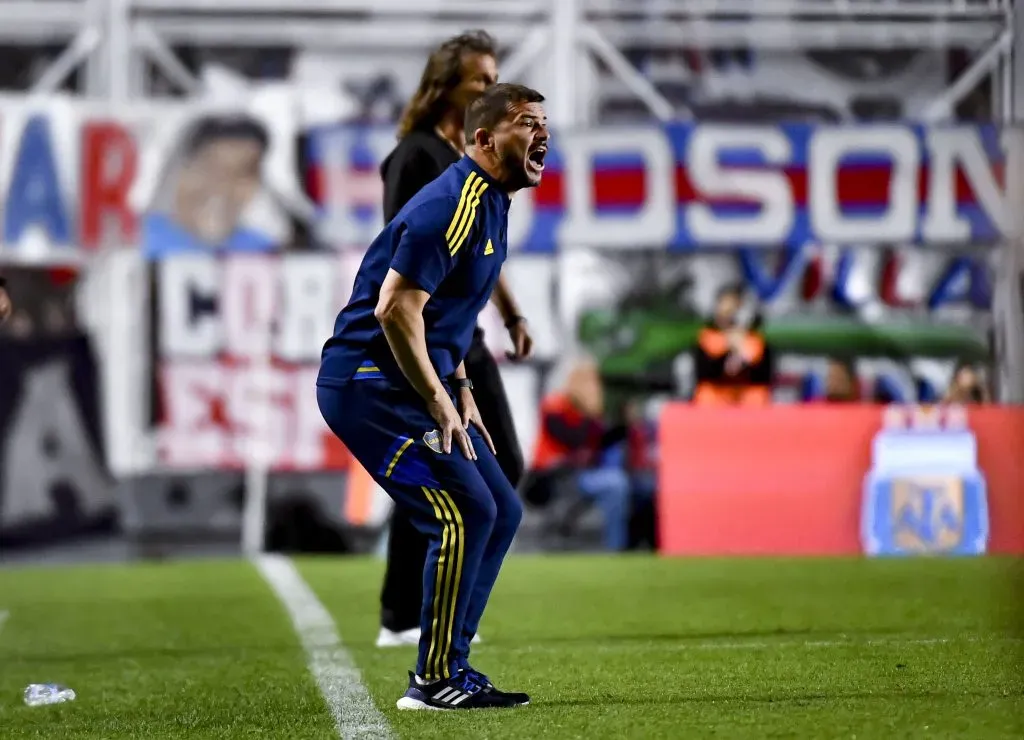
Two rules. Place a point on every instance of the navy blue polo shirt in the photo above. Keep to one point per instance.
(450, 239)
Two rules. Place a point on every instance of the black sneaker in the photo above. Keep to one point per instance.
(516, 697)
(461, 691)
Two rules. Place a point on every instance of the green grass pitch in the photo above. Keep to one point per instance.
(623, 647)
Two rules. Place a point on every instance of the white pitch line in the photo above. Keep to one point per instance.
(335, 672)
(4, 614)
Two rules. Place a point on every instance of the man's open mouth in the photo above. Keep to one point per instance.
(537, 156)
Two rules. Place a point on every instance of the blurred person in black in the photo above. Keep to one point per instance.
(431, 138)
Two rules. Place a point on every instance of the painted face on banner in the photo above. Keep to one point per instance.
(216, 185)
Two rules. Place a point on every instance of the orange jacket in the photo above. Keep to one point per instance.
(566, 435)
(751, 385)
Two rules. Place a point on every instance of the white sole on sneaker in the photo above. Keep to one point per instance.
(388, 639)
(407, 702)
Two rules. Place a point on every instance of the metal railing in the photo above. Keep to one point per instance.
(114, 38)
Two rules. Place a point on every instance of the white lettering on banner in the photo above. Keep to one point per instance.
(654, 223)
(950, 148)
(183, 282)
(828, 149)
(769, 188)
(240, 358)
(257, 413)
(948, 153)
(221, 416)
(239, 304)
(247, 305)
(189, 434)
(307, 307)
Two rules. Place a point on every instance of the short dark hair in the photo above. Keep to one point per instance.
(493, 105)
(442, 73)
(215, 128)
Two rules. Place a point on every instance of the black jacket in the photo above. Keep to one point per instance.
(418, 159)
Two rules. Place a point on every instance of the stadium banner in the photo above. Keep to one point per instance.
(699, 186)
(78, 176)
(237, 346)
(791, 481)
(53, 481)
(136, 176)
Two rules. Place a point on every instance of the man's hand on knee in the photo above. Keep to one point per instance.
(449, 423)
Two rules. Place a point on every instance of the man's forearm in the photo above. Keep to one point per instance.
(407, 338)
(503, 300)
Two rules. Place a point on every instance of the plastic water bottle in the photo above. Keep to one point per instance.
(40, 694)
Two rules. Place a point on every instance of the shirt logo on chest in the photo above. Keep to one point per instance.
(489, 249)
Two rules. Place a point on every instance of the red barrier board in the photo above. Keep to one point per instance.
(788, 480)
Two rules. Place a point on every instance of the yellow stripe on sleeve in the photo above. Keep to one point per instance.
(463, 205)
(468, 218)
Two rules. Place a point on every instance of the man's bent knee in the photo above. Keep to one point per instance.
(478, 510)
(510, 514)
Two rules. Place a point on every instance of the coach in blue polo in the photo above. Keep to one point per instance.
(393, 388)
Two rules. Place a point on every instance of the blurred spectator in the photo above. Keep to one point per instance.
(966, 386)
(40, 302)
(733, 361)
(840, 381)
(642, 465)
(573, 455)
(208, 189)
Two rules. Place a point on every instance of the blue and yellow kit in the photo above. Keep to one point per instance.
(450, 239)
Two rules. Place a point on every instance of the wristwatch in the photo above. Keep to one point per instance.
(464, 383)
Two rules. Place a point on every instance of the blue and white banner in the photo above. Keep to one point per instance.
(687, 186)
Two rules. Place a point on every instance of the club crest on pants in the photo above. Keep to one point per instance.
(432, 439)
